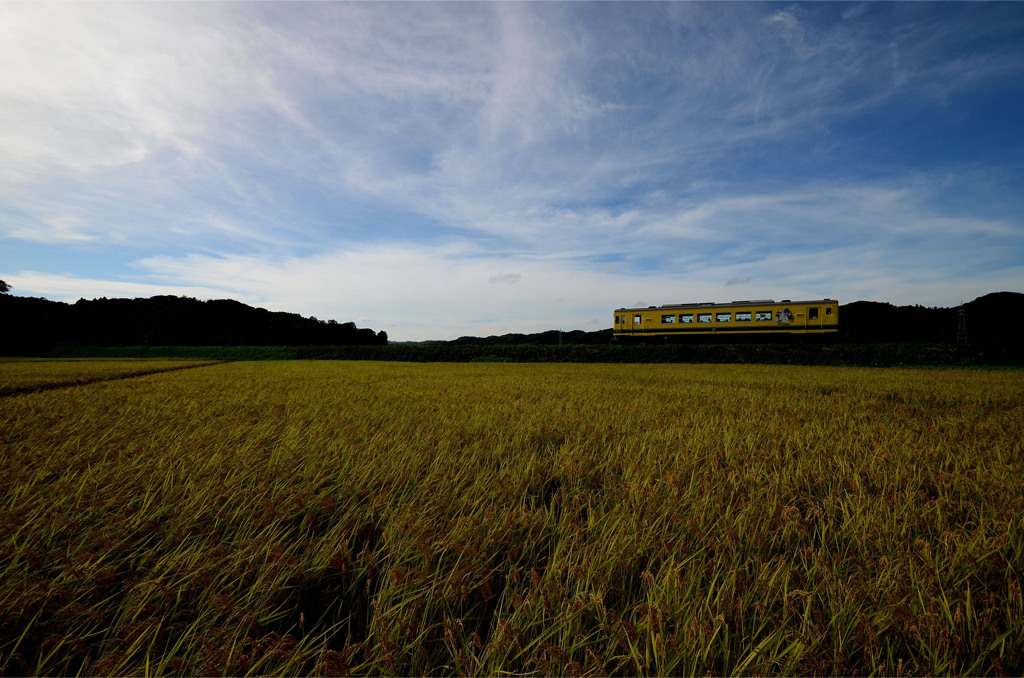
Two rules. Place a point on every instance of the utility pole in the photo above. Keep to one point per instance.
(961, 324)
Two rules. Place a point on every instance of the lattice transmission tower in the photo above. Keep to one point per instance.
(961, 324)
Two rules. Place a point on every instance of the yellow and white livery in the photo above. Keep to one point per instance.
(736, 318)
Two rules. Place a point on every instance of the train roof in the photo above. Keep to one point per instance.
(729, 304)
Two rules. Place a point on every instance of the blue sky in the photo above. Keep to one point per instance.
(443, 169)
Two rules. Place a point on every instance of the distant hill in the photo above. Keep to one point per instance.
(994, 318)
(31, 325)
(550, 337)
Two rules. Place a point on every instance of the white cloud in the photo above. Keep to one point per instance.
(505, 279)
(68, 230)
(92, 87)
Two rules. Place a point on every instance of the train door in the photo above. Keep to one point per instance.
(814, 319)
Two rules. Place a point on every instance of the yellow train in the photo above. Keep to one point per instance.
(757, 317)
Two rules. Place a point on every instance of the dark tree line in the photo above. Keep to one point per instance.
(32, 325)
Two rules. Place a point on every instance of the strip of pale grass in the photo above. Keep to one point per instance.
(20, 375)
(515, 519)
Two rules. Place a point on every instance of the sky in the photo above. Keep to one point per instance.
(436, 170)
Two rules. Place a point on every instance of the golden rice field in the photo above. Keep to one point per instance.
(328, 518)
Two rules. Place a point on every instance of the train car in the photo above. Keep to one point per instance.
(756, 318)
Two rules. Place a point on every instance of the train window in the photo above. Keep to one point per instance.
(812, 314)
(686, 317)
(828, 311)
(703, 317)
(616, 320)
(668, 319)
(743, 316)
(763, 316)
(723, 317)
(636, 320)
